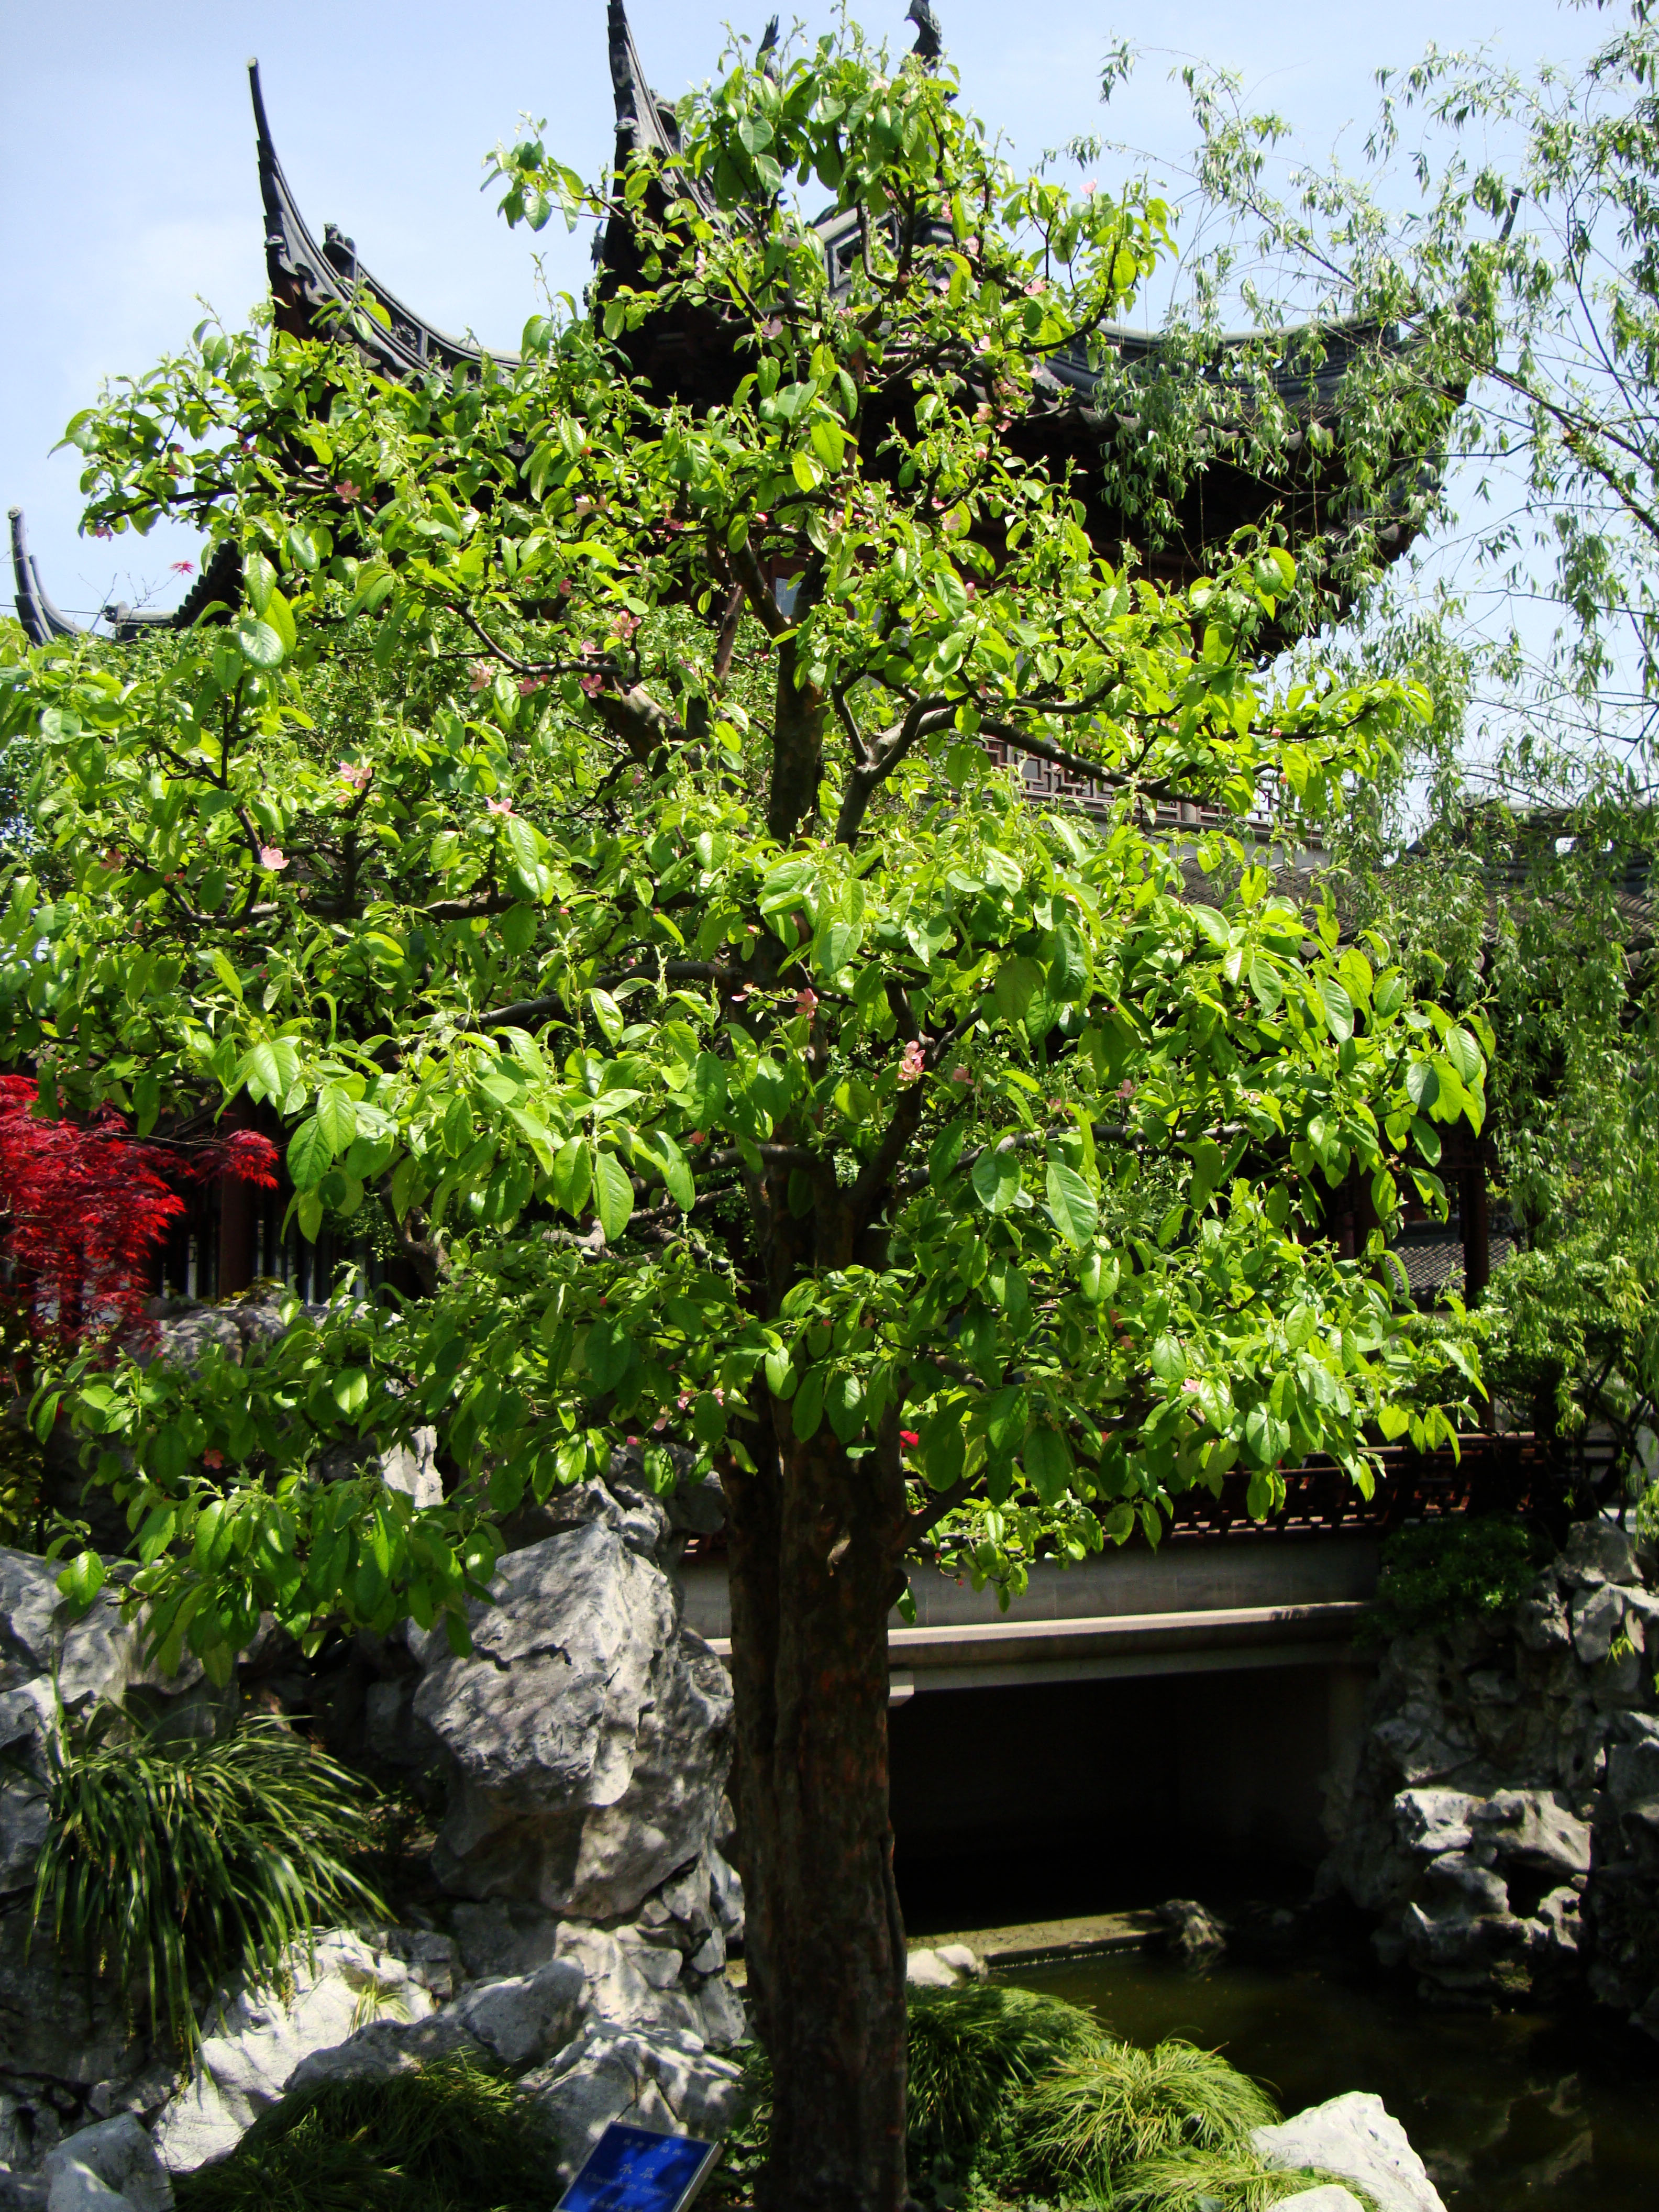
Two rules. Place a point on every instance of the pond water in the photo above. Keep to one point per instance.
(1511, 2112)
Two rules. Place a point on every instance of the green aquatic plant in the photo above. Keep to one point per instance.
(173, 1864)
(446, 2137)
(1105, 2110)
(973, 2048)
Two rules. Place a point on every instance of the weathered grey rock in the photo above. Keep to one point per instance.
(1596, 1552)
(1194, 1932)
(55, 2026)
(529, 2016)
(589, 1735)
(1528, 1828)
(1329, 2197)
(120, 2155)
(76, 2188)
(946, 1968)
(1354, 2136)
(664, 2081)
(386, 2047)
(1430, 1822)
(504, 1937)
(259, 2040)
(1598, 1614)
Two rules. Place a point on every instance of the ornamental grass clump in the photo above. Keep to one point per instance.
(972, 2049)
(1226, 2180)
(172, 1865)
(446, 2137)
(1103, 2112)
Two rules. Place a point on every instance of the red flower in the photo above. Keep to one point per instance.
(909, 1436)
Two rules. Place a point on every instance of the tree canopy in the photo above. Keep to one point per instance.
(582, 840)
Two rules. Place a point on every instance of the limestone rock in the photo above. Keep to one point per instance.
(1528, 1828)
(1596, 1552)
(1598, 1614)
(1194, 1932)
(947, 1968)
(1354, 2136)
(589, 1735)
(259, 2040)
(1329, 2197)
(119, 2156)
(663, 2081)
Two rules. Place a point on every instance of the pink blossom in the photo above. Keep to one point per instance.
(499, 805)
(184, 567)
(481, 674)
(529, 684)
(356, 773)
(911, 1063)
(347, 491)
(1038, 286)
(102, 530)
(624, 623)
(660, 1423)
(213, 1458)
(272, 857)
(1126, 1088)
(960, 1075)
(592, 685)
(806, 1002)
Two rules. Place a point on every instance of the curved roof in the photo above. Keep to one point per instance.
(691, 356)
(210, 599)
(309, 282)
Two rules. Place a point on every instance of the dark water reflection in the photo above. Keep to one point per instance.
(1511, 2112)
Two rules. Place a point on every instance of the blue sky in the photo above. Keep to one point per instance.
(128, 189)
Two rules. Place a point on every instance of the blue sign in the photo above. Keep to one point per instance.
(631, 2170)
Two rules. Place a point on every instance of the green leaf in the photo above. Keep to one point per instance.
(1016, 981)
(1422, 1083)
(944, 1152)
(707, 1094)
(572, 1174)
(310, 1155)
(1338, 1008)
(996, 1180)
(1073, 1204)
(257, 642)
(780, 1373)
(843, 1401)
(1046, 1459)
(337, 1117)
(807, 1410)
(1464, 1054)
(351, 1391)
(609, 1355)
(608, 1014)
(613, 1195)
(675, 1174)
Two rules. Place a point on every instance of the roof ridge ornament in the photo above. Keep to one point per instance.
(929, 35)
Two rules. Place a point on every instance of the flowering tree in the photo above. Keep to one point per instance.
(739, 1060)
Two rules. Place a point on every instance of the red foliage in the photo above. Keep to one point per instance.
(87, 1203)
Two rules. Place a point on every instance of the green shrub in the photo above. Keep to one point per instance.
(1095, 2116)
(972, 2048)
(1448, 1572)
(446, 2137)
(171, 1865)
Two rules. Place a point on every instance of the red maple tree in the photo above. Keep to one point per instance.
(85, 1205)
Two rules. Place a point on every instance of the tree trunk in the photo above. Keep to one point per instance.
(815, 1543)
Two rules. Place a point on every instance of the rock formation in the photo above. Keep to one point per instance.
(581, 1749)
(1503, 1817)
